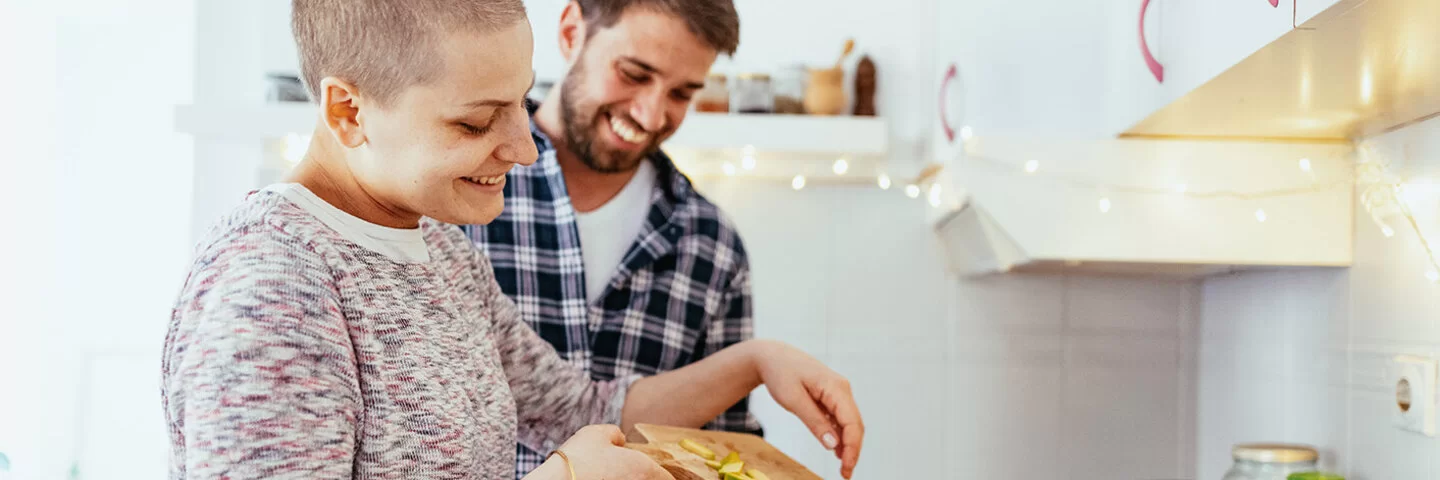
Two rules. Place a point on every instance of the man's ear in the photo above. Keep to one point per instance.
(572, 32)
(340, 106)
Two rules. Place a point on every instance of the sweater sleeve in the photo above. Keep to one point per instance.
(553, 398)
(260, 377)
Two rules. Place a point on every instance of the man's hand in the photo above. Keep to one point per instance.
(815, 393)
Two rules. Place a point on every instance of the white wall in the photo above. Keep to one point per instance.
(103, 230)
(1001, 377)
(1096, 373)
(1303, 355)
(850, 275)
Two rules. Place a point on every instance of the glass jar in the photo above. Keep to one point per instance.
(1271, 461)
(715, 96)
(790, 90)
(752, 94)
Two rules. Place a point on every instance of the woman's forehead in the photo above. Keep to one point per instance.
(485, 65)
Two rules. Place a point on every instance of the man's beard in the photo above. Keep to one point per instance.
(580, 119)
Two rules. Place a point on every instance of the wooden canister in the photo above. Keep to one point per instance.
(825, 92)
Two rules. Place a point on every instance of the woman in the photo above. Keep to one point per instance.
(338, 326)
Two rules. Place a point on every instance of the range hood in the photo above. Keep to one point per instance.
(1016, 205)
(1358, 68)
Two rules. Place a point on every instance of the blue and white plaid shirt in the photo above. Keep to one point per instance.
(682, 291)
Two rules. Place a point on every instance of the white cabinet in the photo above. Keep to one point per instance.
(1046, 69)
(1138, 75)
(1092, 68)
(1305, 10)
(1203, 38)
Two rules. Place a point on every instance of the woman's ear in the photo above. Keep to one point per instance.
(340, 106)
(572, 32)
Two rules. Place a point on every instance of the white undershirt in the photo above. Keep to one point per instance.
(607, 233)
(403, 245)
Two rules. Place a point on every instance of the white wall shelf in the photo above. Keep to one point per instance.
(782, 145)
(701, 131)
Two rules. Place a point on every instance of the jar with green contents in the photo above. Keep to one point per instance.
(1271, 461)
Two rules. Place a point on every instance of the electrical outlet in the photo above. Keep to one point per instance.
(1414, 380)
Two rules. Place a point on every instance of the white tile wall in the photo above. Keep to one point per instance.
(1303, 355)
(1004, 377)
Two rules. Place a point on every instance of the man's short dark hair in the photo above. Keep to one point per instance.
(714, 21)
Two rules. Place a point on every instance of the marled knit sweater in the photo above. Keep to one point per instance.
(295, 352)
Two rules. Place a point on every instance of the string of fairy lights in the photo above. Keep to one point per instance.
(1380, 191)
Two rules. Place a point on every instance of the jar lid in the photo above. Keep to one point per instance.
(1274, 453)
(754, 76)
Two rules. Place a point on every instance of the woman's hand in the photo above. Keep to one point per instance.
(598, 452)
(817, 395)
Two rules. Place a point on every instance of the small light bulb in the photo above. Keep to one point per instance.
(1305, 165)
(1433, 276)
(841, 166)
(1387, 231)
(748, 162)
(1032, 166)
(728, 168)
(935, 195)
(1104, 205)
(798, 182)
(1260, 215)
(1181, 188)
(966, 133)
(884, 181)
(912, 191)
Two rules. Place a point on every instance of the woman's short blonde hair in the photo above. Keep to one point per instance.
(384, 46)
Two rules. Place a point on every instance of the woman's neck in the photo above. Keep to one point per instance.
(326, 174)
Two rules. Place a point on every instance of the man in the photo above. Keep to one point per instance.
(608, 251)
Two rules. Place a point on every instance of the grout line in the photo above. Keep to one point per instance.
(1065, 286)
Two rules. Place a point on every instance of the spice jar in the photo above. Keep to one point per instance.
(824, 92)
(714, 96)
(752, 94)
(1271, 461)
(790, 90)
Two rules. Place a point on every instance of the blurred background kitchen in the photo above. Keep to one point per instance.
(1071, 239)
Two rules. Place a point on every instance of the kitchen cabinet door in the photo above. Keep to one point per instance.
(1305, 10)
(1203, 38)
(1136, 62)
(1041, 68)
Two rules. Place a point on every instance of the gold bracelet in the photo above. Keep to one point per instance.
(568, 465)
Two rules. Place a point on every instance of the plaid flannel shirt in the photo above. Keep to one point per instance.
(681, 293)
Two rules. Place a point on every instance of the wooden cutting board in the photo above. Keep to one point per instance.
(662, 443)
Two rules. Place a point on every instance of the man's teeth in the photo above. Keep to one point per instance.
(486, 180)
(626, 132)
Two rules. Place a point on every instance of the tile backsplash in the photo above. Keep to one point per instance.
(1003, 377)
(1302, 355)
